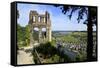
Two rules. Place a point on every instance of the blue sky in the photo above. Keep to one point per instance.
(59, 21)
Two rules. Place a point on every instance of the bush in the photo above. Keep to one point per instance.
(51, 54)
(46, 49)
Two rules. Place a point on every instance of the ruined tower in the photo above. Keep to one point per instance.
(40, 21)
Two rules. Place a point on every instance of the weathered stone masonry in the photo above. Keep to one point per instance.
(40, 21)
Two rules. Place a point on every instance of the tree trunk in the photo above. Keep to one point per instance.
(90, 37)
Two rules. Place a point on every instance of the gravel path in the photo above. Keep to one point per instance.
(24, 57)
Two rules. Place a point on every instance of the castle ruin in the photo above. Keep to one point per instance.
(40, 21)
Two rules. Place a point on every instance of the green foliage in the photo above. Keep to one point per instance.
(20, 31)
(54, 59)
(74, 37)
(46, 49)
(80, 57)
(51, 54)
(53, 42)
(23, 35)
(27, 35)
(70, 38)
(81, 36)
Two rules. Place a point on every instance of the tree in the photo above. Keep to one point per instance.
(27, 34)
(17, 14)
(91, 20)
(19, 33)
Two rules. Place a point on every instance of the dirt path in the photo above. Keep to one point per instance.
(24, 57)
